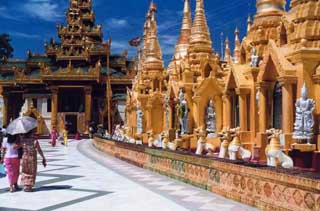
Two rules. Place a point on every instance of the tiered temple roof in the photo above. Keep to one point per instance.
(80, 54)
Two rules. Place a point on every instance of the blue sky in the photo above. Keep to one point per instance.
(31, 22)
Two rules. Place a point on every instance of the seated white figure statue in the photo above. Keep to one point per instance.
(225, 137)
(202, 145)
(237, 152)
(275, 156)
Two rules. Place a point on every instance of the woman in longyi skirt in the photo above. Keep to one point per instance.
(29, 160)
(10, 148)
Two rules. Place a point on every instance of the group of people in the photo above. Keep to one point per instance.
(21, 149)
(55, 135)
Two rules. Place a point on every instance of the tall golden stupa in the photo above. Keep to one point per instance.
(254, 89)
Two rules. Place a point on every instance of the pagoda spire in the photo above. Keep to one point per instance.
(153, 52)
(237, 46)
(186, 22)
(183, 42)
(227, 51)
(200, 34)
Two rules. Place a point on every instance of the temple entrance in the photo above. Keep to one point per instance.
(71, 123)
(15, 103)
(71, 100)
(277, 106)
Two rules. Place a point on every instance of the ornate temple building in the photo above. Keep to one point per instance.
(76, 82)
(254, 89)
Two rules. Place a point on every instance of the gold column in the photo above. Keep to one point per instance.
(243, 109)
(54, 107)
(287, 108)
(287, 112)
(88, 106)
(243, 112)
(149, 116)
(5, 111)
(263, 118)
(226, 110)
(5, 107)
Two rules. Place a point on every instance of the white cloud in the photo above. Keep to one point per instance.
(120, 46)
(46, 10)
(5, 13)
(25, 35)
(117, 23)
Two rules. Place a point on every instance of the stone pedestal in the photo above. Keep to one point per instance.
(304, 147)
(255, 154)
(262, 142)
(302, 155)
(316, 161)
(301, 159)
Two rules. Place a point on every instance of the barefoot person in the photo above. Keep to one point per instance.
(11, 159)
(29, 160)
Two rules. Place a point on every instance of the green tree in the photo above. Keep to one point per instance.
(6, 49)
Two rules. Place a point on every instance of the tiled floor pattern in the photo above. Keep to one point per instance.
(72, 181)
(189, 196)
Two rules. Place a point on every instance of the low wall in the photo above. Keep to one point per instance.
(263, 187)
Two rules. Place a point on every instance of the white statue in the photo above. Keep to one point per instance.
(183, 113)
(303, 126)
(150, 139)
(203, 146)
(139, 119)
(164, 140)
(275, 156)
(211, 120)
(254, 58)
(24, 108)
(225, 137)
(235, 148)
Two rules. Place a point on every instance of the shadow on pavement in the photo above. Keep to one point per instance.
(52, 187)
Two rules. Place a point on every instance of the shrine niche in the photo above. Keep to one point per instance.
(209, 89)
(155, 118)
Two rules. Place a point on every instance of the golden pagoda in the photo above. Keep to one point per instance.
(254, 89)
(77, 82)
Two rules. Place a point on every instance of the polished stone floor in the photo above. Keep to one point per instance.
(79, 177)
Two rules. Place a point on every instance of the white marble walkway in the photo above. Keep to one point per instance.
(78, 177)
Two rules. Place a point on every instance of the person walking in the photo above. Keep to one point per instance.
(29, 160)
(10, 148)
(65, 137)
(54, 135)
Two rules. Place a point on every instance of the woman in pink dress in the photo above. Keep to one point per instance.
(11, 159)
(31, 147)
(54, 135)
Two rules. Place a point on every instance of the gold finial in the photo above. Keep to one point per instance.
(200, 34)
(266, 6)
(227, 51)
(237, 46)
(182, 46)
(152, 49)
(187, 22)
(153, 7)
